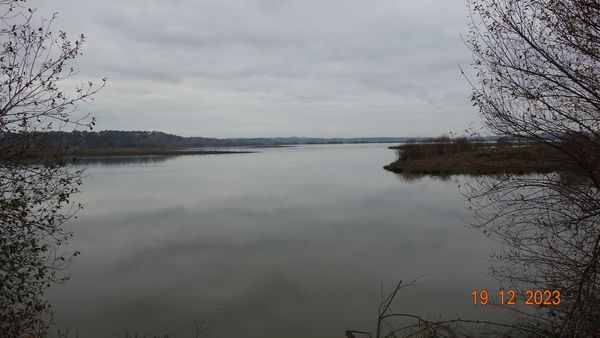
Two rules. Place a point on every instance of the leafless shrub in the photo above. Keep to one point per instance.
(392, 324)
(538, 72)
(35, 183)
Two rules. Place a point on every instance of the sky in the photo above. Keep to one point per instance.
(261, 68)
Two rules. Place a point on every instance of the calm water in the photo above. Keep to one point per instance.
(288, 242)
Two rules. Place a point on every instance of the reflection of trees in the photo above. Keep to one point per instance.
(123, 160)
(35, 185)
(549, 230)
(414, 177)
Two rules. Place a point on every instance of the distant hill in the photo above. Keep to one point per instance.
(154, 139)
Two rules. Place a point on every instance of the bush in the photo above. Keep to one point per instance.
(439, 146)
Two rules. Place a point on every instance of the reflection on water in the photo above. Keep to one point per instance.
(411, 177)
(123, 160)
(288, 242)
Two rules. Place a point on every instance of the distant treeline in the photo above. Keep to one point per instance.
(154, 139)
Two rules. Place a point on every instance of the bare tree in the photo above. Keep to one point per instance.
(538, 79)
(35, 182)
(392, 324)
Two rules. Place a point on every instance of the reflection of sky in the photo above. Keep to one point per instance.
(288, 242)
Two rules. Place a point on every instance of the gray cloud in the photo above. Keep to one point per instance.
(232, 68)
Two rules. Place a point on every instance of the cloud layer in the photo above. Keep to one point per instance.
(243, 68)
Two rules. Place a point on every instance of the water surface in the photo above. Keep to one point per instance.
(287, 242)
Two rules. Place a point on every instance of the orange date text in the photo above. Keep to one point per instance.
(510, 297)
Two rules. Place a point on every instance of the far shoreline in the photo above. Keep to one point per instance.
(126, 152)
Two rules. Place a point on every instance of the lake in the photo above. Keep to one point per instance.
(286, 242)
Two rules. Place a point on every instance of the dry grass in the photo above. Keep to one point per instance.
(462, 156)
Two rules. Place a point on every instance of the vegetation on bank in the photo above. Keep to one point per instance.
(446, 156)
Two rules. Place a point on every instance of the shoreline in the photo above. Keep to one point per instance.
(442, 159)
(126, 152)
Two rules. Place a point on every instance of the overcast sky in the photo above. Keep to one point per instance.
(246, 68)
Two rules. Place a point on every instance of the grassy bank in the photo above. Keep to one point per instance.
(445, 156)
